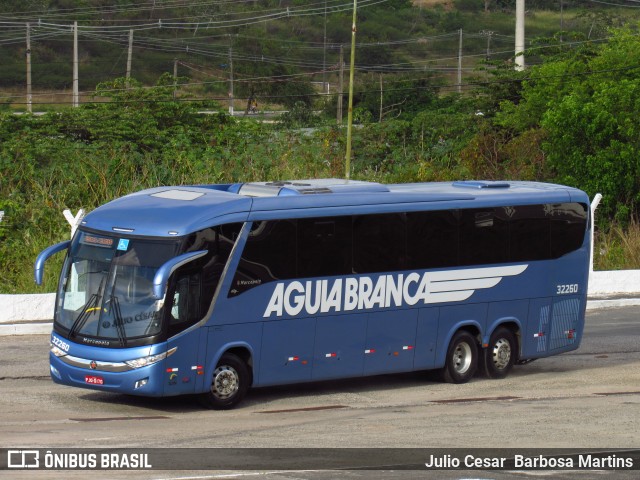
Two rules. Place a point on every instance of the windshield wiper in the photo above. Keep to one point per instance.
(115, 307)
(92, 304)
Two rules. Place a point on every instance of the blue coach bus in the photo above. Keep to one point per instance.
(214, 289)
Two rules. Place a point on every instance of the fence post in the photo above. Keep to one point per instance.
(594, 205)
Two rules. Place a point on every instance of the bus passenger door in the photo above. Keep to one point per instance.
(287, 351)
(181, 367)
(390, 344)
(340, 345)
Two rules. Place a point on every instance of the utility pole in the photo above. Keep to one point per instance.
(380, 116)
(519, 35)
(347, 169)
(29, 96)
(561, 20)
(324, 51)
(230, 77)
(75, 100)
(175, 78)
(488, 34)
(129, 56)
(340, 84)
(460, 63)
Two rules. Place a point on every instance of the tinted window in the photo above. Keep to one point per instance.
(269, 254)
(568, 227)
(379, 243)
(195, 283)
(529, 235)
(484, 236)
(324, 246)
(331, 246)
(432, 239)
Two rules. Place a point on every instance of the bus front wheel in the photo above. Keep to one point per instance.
(229, 383)
(500, 355)
(462, 358)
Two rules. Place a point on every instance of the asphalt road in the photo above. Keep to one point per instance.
(588, 399)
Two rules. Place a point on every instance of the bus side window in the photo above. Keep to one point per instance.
(379, 243)
(433, 239)
(568, 227)
(196, 282)
(324, 246)
(529, 234)
(269, 255)
(484, 236)
(186, 300)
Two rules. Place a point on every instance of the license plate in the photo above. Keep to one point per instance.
(93, 380)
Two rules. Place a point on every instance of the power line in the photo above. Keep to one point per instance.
(615, 4)
(398, 67)
(120, 9)
(245, 18)
(450, 86)
(189, 47)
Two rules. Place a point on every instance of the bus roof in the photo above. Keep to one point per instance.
(179, 210)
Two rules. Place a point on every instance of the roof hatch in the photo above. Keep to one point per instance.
(178, 194)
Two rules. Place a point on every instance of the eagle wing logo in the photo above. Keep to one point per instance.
(458, 285)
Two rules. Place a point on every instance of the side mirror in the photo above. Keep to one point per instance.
(165, 271)
(43, 256)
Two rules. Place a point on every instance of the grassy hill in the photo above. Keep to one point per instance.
(267, 46)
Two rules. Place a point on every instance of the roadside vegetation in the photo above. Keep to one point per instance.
(570, 118)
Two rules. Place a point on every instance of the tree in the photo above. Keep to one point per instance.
(594, 143)
(593, 137)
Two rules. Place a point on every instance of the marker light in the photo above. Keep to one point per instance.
(150, 360)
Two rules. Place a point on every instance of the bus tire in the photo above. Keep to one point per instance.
(498, 358)
(229, 384)
(462, 358)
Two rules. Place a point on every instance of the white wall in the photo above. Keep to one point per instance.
(26, 314)
(614, 282)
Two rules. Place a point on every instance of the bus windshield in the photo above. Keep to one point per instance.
(106, 289)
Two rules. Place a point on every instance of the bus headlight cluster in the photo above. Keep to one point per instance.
(57, 351)
(149, 360)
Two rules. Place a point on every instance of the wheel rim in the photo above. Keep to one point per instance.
(462, 358)
(501, 353)
(226, 382)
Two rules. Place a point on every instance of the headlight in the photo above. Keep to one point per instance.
(150, 360)
(57, 352)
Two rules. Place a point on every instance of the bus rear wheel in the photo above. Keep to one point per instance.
(229, 384)
(462, 358)
(500, 355)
